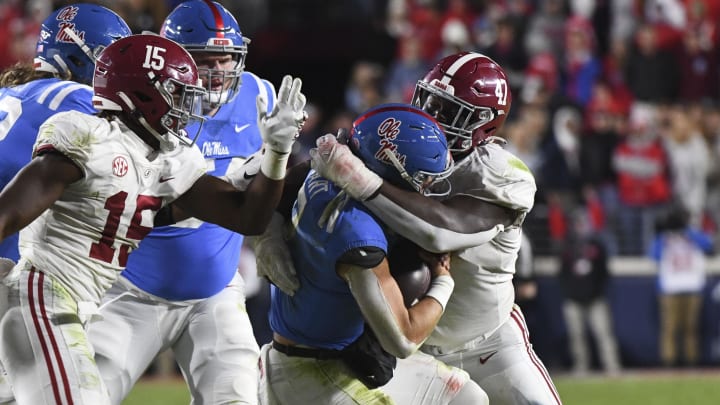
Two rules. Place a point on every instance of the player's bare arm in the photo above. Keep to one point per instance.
(248, 212)
(34, 189)
(460, 223)
(462, 214)
(401, 330)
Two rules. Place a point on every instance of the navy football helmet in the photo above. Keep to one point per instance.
(404, 145)
(73, 36)
(468, 94)
(154, 81)
(206, 26)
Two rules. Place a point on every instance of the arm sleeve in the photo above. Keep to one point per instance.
(428, 236)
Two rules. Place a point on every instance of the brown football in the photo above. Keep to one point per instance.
(411, 274)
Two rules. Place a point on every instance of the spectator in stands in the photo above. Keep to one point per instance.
(404, 70)
(584, 277)
(603, 122)
(643, 179)
(507, 51)
(689, 161)
(698, 64)
(364, 89)
(679, 250)
(581, 66)
(651, 72)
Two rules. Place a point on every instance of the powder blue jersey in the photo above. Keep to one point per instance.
(323, 312)
(194, 259)
(22, 110)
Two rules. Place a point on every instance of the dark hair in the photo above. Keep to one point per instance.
(21, 73)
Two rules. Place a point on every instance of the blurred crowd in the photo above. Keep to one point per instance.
(615, 102)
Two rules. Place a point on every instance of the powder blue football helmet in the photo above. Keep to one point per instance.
(403, 145)
(72, 37)
(206, 26)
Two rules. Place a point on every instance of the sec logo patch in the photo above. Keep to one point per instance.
(120, 166)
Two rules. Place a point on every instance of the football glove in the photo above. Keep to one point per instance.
(337, 163)
(281, 127)
(273, 258)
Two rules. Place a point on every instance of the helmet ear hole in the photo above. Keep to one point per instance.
(142, 97)
(76, 61)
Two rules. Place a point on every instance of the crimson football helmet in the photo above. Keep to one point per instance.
(468, 94)
(155, 81)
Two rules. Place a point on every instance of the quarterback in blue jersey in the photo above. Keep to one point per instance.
(181, 289)
(57, 81)
(339, 250)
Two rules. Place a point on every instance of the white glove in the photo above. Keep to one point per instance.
(337, 163)
(281, 127)
(273, 259)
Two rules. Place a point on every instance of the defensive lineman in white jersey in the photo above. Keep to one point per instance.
(481, 331)
(93, 191)
(181, 289)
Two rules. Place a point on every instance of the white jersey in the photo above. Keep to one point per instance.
(84, 239)
(483, 296)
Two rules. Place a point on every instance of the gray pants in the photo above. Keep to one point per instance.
(597, 316)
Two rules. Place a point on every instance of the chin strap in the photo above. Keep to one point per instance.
(165, 143)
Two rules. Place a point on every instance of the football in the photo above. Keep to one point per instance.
(411, 274)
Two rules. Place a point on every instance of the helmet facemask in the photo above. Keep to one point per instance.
(458, 118)
(185, 102)
(426, 183)
(230, 79)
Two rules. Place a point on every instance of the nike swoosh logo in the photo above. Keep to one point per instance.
(248, 176)
(164, 179)
(484, 360)
(240, 128)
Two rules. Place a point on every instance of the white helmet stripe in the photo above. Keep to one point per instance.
(457, 65)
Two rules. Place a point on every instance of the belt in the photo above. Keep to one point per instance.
(295, 351)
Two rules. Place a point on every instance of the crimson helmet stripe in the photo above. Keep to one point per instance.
(392, 108)
(218, 19)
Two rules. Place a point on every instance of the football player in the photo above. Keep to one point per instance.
(58, 80)
(319, 353)
(94, 189)
(181, 289)
(482, 330)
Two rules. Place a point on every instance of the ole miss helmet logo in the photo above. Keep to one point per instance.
(120, 166)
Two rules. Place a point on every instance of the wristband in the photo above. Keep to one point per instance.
(441, 288)
(274, 164)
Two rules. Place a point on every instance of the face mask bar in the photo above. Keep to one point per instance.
(458, 118)
(230, 79)
(422, 181)
(184, 101)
